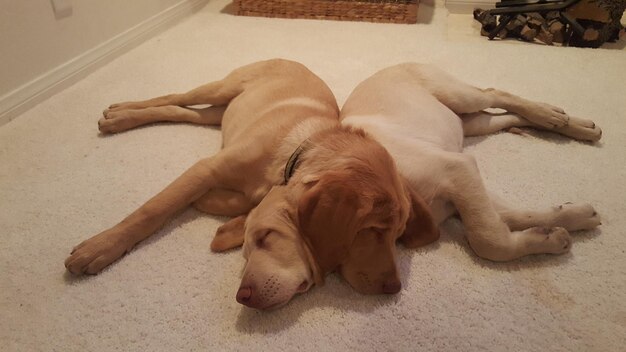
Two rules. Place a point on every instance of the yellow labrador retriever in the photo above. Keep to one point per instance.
(420, 114)
(260, 107)
(335, 188)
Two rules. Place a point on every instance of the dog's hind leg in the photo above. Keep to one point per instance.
(538, 115)
(487, 233)
(123, 120)
(214, 93)
(482, 123)
(463, 98)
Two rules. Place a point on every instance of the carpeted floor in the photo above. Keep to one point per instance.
(61, 182)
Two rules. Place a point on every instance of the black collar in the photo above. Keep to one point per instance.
(293, 162)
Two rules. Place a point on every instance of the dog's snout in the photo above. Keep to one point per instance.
(392, 286)
(244, 295)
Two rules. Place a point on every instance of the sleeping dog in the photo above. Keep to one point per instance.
(420, 114)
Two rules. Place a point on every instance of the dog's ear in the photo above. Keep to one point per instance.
(229, 235)
(421, 228)
(328, 219)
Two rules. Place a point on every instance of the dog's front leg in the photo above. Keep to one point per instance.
(488, 235)
(94, 254)
(571, 216)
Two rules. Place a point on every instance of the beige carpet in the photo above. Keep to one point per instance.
(60, 182)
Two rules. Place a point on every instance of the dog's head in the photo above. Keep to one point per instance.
(352, 218)
(345, 214)
(278, 263)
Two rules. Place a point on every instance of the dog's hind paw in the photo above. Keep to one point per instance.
(119, 121)
(581, 129)
(548, 116)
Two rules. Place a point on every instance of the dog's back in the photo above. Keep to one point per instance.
(396, 105)
(295, 92)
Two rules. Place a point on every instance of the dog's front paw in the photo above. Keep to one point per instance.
(94, 254)
(575, 217)
(555, 240)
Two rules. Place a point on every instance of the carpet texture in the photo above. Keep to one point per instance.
(61, 182)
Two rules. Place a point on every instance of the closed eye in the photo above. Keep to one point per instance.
(261, 241)
(377, 232)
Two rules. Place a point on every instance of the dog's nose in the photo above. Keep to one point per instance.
(392, 286)
(244, 295)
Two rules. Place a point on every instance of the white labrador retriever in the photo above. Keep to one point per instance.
(420, 114)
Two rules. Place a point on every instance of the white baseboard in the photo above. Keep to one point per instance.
(30, 94)
(468, 6)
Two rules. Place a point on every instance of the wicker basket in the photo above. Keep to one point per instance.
(395, 11)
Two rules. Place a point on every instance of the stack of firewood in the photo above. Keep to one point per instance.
(601, 20)
(527, 26)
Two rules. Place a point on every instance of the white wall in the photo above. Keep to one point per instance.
(468, 6)
(33, 42)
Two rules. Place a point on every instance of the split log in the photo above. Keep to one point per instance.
(552, 15)
(591, 34)
(535, 20)
(557, 29)
(545, 35)
(488, 21)
(528, 33)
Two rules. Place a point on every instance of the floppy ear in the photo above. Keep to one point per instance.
(229, 235)
(421, 228)
(328, 220)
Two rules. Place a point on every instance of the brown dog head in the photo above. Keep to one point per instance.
(351, 218)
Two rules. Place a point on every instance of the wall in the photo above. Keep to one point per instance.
(35, 44)
(468, 6)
